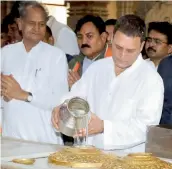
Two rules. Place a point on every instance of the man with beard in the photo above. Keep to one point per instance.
(92, 37)
(159, 42)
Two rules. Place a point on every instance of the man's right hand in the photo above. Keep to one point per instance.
(73, 77)
(3, 93)
(7, 99)
(55, 117)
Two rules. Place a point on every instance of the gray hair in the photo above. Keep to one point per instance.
(34, 4)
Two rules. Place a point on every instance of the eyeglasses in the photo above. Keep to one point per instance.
(155, 40)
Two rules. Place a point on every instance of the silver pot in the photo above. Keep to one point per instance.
(73, 116)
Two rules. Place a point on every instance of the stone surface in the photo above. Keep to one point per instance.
(12, 148)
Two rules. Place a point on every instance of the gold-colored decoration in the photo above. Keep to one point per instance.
(26, 161)
(114, 164)
(145, 161)
(90, 157)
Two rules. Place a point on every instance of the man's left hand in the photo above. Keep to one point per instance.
(95, 126)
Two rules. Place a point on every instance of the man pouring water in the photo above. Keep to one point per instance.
(124, 93)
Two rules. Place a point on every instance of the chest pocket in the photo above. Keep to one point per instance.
(41, 79)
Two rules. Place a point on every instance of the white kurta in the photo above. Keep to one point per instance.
(151, 63)
(64, 37)
(127, 103)
(43, 72)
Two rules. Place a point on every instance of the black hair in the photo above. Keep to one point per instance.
(110, 22)
(15, 9)
(131, 25)
(162, 27)
(96, 20)
(8, 20)
(48, 31)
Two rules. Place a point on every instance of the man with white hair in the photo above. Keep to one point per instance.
(33, 81)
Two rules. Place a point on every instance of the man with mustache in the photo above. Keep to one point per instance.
(92, 37)
(159, 42)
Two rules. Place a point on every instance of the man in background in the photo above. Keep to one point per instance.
(9, 24)
(5, 40)
(48, 36)
(158, 43)
(92, 38)
(110, 29)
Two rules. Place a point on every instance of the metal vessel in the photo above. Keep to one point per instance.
(73, 115)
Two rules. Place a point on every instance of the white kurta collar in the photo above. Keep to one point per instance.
(151, 64)
(36, 47)
(132, 67)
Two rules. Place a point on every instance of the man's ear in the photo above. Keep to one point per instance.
(19, 23)
(142, 46)
(170, 49)
(104, 36)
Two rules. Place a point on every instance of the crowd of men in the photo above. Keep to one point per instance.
(45, 62)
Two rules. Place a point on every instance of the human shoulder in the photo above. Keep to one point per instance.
(101, 66)
(167, 61)
(150, 74)
(50, 48)
(66, 33)
(99, 70)
(76, 58)
(54, 53)
(67, 29)
(10, 47)
(165, 67)
(103, 63)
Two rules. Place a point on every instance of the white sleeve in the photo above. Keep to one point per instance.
(50, 96)
(67, 41)
(80, 88)
(132, 132)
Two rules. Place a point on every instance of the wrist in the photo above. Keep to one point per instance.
(102, 126)
(23, 95)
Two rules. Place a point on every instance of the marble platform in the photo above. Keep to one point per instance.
(12, 148)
